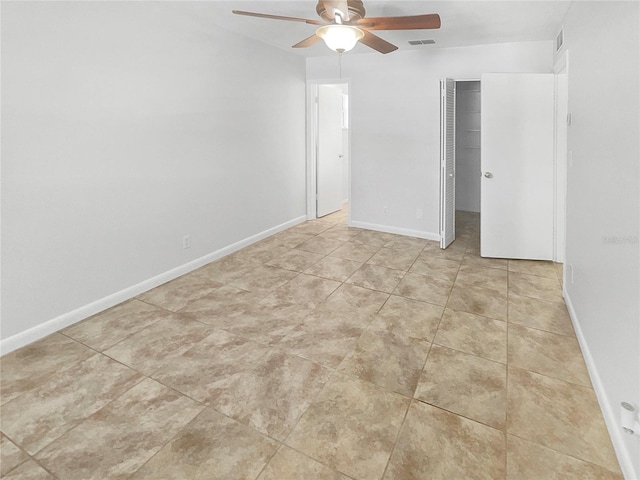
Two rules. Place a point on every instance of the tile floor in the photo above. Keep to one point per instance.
(323, 352)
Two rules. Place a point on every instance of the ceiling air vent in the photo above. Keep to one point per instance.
(421, 42)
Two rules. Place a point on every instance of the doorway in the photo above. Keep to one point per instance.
(328, 148)
(460, 158)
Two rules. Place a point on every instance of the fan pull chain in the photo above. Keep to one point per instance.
(340, 64)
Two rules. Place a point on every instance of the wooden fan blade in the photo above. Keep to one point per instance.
(341, 6)
(377, 43)
(412, 22)
(278, 17)
(307, 42)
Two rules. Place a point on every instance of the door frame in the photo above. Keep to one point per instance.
(312, 144)
(561, 135)
(561, 67)
(441, 170)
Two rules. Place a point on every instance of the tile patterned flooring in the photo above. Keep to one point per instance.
(322, 352)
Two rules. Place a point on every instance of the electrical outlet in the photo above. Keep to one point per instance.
(570, 272)
(186, 241)
(419, 214)
(385, 209)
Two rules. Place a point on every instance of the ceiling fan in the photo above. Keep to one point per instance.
(344, 24)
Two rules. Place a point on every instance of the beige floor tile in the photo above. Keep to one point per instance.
(373, 238)
(436, 267)
(479, 277)
(107, 328)
(311, 227)
(288, 464)
(407, 320)
(356, 301)
(530, 461)
(466, 385)
(455, 251)
(377, 278)
(549, 316)
(25, 369)
(272, 394)
(389, 363)
(29, 470)
(351, 427)
(472, 260)
(534, 267)
(178, 293)
(265, 321)
(355, 251)
(425, 288)
(321, 245)
(211, 447)
(542, 288)
(167, 338)
(556, 356)
(469, 333)
(333, 268)
(401, 242)
(341, 232)
(394, 258)
(120, 438)
(290, 239)
(204, 371)
(263, 279)
(306, 290)
(559, 415)
(479, 301)
(295, 260)
(559, 271)
(10, 455)
(219, 308)
(65, 399)
(227, 269)
(439, 445)
(326, 337)
(262, 252)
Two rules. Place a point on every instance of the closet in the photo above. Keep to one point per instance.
(467, 137)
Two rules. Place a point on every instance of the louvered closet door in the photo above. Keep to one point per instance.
(448, 162)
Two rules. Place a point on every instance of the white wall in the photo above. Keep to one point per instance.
(126, 125)
(603, 204)
(395, 123)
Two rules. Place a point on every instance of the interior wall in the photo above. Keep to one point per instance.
(125, 126)
(602, 266)
(468, 146)
(395, 124)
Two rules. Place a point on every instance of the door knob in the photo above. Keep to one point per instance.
(488, 174)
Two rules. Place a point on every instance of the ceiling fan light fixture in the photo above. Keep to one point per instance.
(340, 38)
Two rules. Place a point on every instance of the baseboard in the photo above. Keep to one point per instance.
(609, 413)
(397, 230)
(51, 326)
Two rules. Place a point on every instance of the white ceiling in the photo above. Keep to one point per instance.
(464, 23)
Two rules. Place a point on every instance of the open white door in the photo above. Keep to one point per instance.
(517, 137)
(447, 162)
(329, 155)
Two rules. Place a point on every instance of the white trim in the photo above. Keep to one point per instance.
(397, 230)
(610, 414)
(51, 326)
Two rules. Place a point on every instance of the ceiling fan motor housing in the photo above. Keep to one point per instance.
(356, 11)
